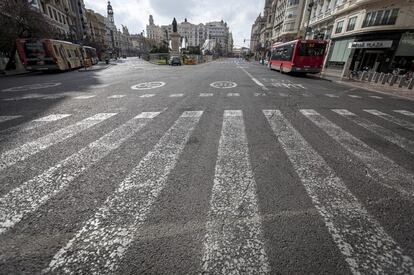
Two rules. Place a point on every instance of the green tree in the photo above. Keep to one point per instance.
(18, 19)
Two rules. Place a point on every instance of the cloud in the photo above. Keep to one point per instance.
(239, 14)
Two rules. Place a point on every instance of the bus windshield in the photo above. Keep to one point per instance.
(311, 49)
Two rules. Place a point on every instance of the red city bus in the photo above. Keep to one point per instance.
(49, 54)
(299, 56)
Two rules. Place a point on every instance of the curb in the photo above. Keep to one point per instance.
(365, 88)
(16, 74)
(95, 69)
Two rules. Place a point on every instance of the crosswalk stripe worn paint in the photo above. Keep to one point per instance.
(30, 125)
(28, 197)
(234, 185)
(363, 242)
(404, 112)
(7, 118)
(102, 241)
(385, 133)
(392, 119)
(391, 174)
(28, 149)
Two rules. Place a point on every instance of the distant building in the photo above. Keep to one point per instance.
(193, 35)
(119, 41)
(96, 29)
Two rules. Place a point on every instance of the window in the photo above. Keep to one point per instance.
(55, 15)
(351, 24)
(381, 17)
(339, 26)
(311, 49)
(60, 18)
(50, 12)
(393, 17)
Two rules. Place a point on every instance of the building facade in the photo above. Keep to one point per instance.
(119, 42)
(370, 35)
(96, 32)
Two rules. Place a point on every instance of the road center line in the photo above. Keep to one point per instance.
(101, 243)
(366, 246)
(7, 118)
(255, 80)
(233, 208)
(28, 197)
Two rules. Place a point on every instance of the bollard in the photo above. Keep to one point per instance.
(382, 75)
(393, 79)
(411, 84)
(363, 75)
(370, 76)
(376, 77)
(402, 82)
(385, 79)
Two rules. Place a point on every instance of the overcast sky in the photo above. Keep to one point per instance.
(239, 14)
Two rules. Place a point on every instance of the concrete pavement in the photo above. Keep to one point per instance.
(224, 167)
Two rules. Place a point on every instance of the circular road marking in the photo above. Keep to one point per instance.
(148, 85)
(223, 84)
(31, 87)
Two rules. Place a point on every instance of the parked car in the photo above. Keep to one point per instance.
(175, 60)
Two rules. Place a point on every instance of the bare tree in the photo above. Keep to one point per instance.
(18, 19)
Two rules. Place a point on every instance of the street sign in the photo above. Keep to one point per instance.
(370, 44)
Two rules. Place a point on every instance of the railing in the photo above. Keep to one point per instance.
(402, 81)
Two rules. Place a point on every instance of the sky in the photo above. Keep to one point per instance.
(239, 14)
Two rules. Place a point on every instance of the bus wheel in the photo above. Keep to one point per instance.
(69, 67)
(281, 69)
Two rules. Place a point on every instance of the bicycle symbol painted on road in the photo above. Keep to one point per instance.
(31, 87)
(223, 85)
(148, 85)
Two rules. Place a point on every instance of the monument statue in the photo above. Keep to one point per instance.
(174, 25)
(175, 39)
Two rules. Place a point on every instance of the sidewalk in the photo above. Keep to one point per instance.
(373, 87)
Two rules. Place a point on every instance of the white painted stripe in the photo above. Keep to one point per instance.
(386, 134)
(206, 94)
(354, 96)
(255, 80)
(101, 243)
(233, 94)
(55, 96)
(51, 118)
(404, 112)
(84, 97)
(392, 119)
(331, 95)
(366, 246)
(233, 208)
(148, 95)
(28, 197)
(283, 94)
(376, 97)
(176, 95)
(29, 96)
(391, 174)
(259, 94)
(7, 118)
(21, 153)
(116, 96)
(15, 130)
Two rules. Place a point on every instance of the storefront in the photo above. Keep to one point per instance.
(379, 51)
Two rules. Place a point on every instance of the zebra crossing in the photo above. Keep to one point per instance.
(234, 241)
(124, 96)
